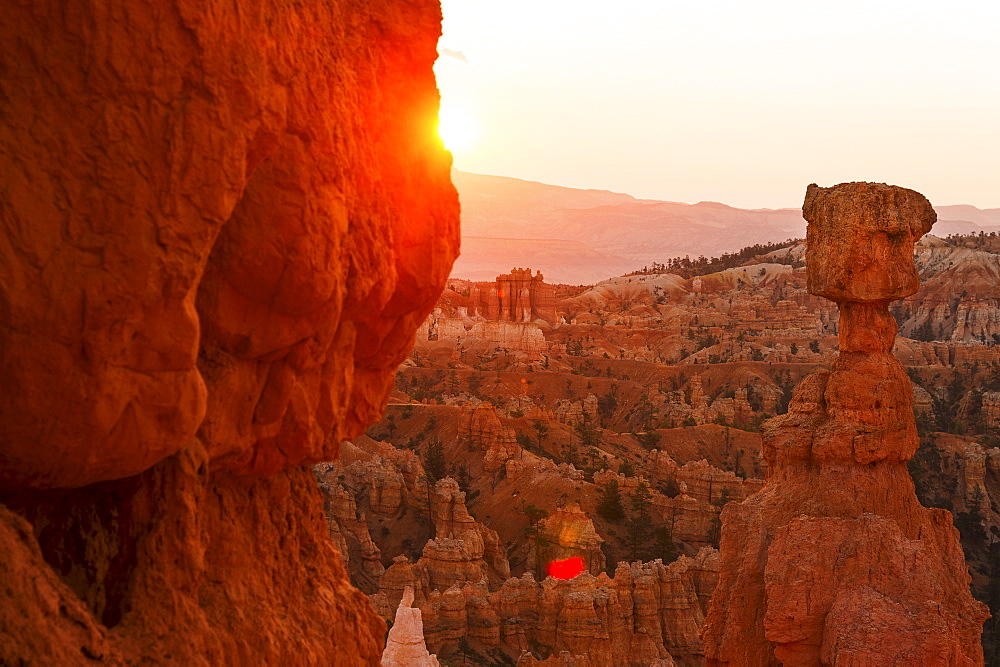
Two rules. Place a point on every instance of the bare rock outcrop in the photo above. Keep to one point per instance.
(158, 560)
(835, 561)
(348, 528)
(463, 549)
(517, 296)
(36, 602)
(646, 613)
(221, 227)
(462, 552)
(480, 427)
(450, 334)
(991, 408)
(405, 646)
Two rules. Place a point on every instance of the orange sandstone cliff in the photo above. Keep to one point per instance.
(835, 561)
(221, 226)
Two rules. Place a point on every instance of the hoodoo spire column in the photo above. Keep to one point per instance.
(835, 561)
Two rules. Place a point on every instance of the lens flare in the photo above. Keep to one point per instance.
(567, 568)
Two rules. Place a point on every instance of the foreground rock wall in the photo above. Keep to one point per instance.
(164, 180)
(221, 227)
(835, 561)
(159, 559)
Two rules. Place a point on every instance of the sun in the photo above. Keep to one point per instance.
(457, 129)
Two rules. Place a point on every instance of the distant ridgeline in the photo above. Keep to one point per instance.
(689, 268)
(981, 241)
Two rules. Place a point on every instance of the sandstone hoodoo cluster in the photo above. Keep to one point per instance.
(221, 227)
(613, 432)
(834, 561)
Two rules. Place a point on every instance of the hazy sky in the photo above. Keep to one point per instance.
(740, 102)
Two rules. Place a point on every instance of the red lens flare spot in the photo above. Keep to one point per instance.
(567, 568)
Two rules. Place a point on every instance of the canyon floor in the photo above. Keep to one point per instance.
(536, 423)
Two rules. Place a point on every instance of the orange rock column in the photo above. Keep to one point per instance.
(835, 560)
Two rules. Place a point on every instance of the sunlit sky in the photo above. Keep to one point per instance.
(740, 102)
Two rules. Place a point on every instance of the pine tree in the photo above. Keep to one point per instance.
(541, 429)
(639, 521)
(463, 478)
(663, 546)
(434, 463)
(714, 532)
(669, 488)
(609, 505)
(570, 452)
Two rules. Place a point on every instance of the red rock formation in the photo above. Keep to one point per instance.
(647, 613)
(348, 527)
(688, 519)
(397, 578)
(991, 408)
(517, 296)
(480, 427)
(835, 561)
(463, 549)
(158, 560)
(439, 335)
(222, 226)
(405, 645)
(711, 485)
(37, 605)
(934, 310)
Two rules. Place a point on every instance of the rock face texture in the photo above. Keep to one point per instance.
(221, 227)
(835, 561)
(249, 195)
(349, 528)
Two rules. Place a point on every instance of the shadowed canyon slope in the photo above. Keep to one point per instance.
(221, 226)
(619, 233)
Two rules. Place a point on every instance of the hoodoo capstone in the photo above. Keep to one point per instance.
(835, 561)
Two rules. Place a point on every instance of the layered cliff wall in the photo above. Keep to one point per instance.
(221, 226)
(835, 561)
